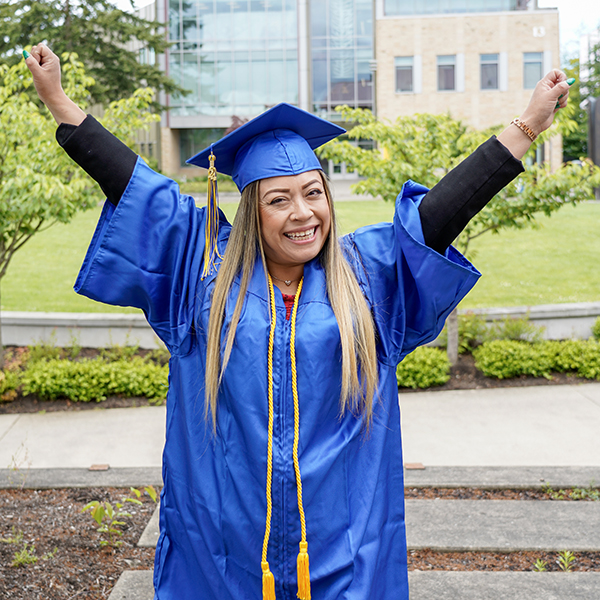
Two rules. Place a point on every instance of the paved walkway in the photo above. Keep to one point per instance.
(510, 428)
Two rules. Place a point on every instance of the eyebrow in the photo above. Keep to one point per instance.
(284, 190)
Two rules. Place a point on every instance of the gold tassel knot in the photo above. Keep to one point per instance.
(268, 582)
(303, 573)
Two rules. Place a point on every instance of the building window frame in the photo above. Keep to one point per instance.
(533, 66)
(446, 72)
(404, 74)
(489, 71)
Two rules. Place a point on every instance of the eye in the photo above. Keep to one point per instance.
(315, 193)
(276, 201)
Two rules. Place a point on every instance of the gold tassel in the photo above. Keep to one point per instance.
(303, 573)
(268, 582)
(211, 233)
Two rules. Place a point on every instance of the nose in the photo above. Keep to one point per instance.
(302, 210)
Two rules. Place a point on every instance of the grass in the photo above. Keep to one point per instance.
(555, 264)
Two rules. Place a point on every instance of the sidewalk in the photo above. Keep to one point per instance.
(512, 428)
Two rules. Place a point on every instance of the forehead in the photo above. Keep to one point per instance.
(288, 182)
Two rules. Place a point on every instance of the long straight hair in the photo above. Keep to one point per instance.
(355, 322)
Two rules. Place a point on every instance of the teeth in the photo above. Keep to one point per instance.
(304, 235)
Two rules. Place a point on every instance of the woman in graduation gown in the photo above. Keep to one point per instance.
(283, 426)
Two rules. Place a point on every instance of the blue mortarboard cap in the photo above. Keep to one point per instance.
(280, 141)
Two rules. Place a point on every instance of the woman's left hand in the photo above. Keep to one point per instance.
(550, 94)
(551, 90)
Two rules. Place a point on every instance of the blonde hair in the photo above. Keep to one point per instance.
(357, 331)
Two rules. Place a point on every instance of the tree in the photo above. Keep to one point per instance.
(575, 143)
(98, 32)
(587, 84)
(39, 184)
(425, 147)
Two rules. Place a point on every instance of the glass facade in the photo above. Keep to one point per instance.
(235, 57)
(430, 7)
(341, 52)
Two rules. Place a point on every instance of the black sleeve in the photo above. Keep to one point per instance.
(461, 194)
(100, 154)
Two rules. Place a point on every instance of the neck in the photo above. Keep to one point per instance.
(284, 277)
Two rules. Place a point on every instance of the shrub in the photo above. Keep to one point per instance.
(596, 329)
(521, 329)
(423, 368)
(95, 379)
(9, 382)
(510, 358)
(473, 330)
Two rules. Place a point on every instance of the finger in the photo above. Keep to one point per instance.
(555, 76)
(563, 87)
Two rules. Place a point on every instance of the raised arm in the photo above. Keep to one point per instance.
(45, 68)
(97, 151)
(462, 193)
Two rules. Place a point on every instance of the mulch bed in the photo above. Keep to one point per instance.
(429, 560)
(70, 561)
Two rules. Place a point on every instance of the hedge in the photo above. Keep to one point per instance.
(423, 368)
(95, 379)
(506, 358)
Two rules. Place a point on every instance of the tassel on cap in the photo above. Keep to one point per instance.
(303, 573)
(268, 582)
(211, 233)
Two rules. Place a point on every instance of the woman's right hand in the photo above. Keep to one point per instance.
(45, 68)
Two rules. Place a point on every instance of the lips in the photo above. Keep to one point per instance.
(301, 236)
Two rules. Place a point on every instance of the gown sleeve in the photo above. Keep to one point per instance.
(147, 253)
(410, 287)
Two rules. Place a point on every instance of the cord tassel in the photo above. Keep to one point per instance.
(211, 233)
(303, 573)
(268, 582)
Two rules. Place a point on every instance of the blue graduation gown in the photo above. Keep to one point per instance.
(147, 252)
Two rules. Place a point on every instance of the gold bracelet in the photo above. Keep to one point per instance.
(524, 128)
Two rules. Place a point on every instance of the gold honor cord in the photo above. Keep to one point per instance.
(268, 581)
(211, 231)
(303, 567)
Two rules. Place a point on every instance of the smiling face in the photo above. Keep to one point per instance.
(295, 219)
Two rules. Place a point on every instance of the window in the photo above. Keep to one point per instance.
(404, 73)
(489, 71)
(446, 67)
(532, 69)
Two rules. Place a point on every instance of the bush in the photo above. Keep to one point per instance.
(596, 329)
(521, 329)
(423, 368)
(9, 382)
(509, 358)
(95, 379)
(504, 359)
(473, 330)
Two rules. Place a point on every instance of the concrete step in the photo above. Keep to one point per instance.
(516, 477)
(441, 585)
(503, 525)
(487, 525)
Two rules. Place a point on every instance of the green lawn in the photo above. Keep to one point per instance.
(557, 263)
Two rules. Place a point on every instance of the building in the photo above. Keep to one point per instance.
(477, 59)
